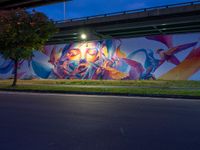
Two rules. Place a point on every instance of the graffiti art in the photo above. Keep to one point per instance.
(166, 57)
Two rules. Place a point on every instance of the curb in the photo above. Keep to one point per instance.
(104, 93)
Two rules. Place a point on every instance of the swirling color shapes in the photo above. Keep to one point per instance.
(41, 70)
(189, 66)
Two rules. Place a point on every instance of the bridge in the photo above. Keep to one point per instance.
(168, 19)
(12, 4)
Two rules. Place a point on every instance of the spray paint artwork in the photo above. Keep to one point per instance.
(156, 57)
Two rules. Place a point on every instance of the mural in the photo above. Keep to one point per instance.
(169, 57)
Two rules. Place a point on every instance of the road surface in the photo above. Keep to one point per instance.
(79, 122)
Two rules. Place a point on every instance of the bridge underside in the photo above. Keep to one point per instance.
(12, 4)
(152, 21)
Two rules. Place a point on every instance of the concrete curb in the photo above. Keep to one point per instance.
(104, 93)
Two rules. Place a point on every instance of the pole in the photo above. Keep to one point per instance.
(64, 10)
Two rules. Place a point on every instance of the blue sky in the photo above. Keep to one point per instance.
(82, 8)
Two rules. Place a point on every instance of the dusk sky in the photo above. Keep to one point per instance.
(82, 8)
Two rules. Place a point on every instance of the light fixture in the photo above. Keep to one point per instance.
(83, 36)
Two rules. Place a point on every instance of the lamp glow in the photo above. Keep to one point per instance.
(83, 36)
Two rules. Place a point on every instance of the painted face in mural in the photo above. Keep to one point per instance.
(83, 52)
(80, 56)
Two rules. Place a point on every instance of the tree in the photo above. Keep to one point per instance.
(22, 32)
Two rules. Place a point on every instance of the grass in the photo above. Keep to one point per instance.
(139, 83)
(183, 88)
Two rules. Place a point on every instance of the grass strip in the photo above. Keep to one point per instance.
(96, 90)
(139, 83)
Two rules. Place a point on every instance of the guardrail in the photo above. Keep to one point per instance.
(130, 11)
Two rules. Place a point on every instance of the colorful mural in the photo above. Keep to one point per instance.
(166, 57)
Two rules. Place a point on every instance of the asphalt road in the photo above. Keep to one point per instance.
(78, 122)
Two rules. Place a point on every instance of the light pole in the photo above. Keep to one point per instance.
(64, 10)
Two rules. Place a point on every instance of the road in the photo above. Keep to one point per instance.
(79, 122)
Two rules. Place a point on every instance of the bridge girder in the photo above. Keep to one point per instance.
(169, 19)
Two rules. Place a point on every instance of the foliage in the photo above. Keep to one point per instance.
(21, 32)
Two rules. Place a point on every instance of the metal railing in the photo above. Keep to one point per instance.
(130, 11)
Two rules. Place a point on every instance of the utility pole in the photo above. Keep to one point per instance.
(64, 10)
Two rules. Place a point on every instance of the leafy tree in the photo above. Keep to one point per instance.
(22, 32)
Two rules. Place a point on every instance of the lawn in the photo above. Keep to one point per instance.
(119, 87)
(139, 83)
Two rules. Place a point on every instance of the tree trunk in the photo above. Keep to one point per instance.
(15, 72)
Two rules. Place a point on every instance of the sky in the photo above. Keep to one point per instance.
(82, 8)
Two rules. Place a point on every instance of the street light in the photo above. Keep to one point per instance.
(83, 36)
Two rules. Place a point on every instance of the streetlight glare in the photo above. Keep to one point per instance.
(83, 36)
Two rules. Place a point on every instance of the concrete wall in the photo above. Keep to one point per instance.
(170, 57)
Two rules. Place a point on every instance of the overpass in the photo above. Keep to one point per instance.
(168, 19)
(12, 4)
